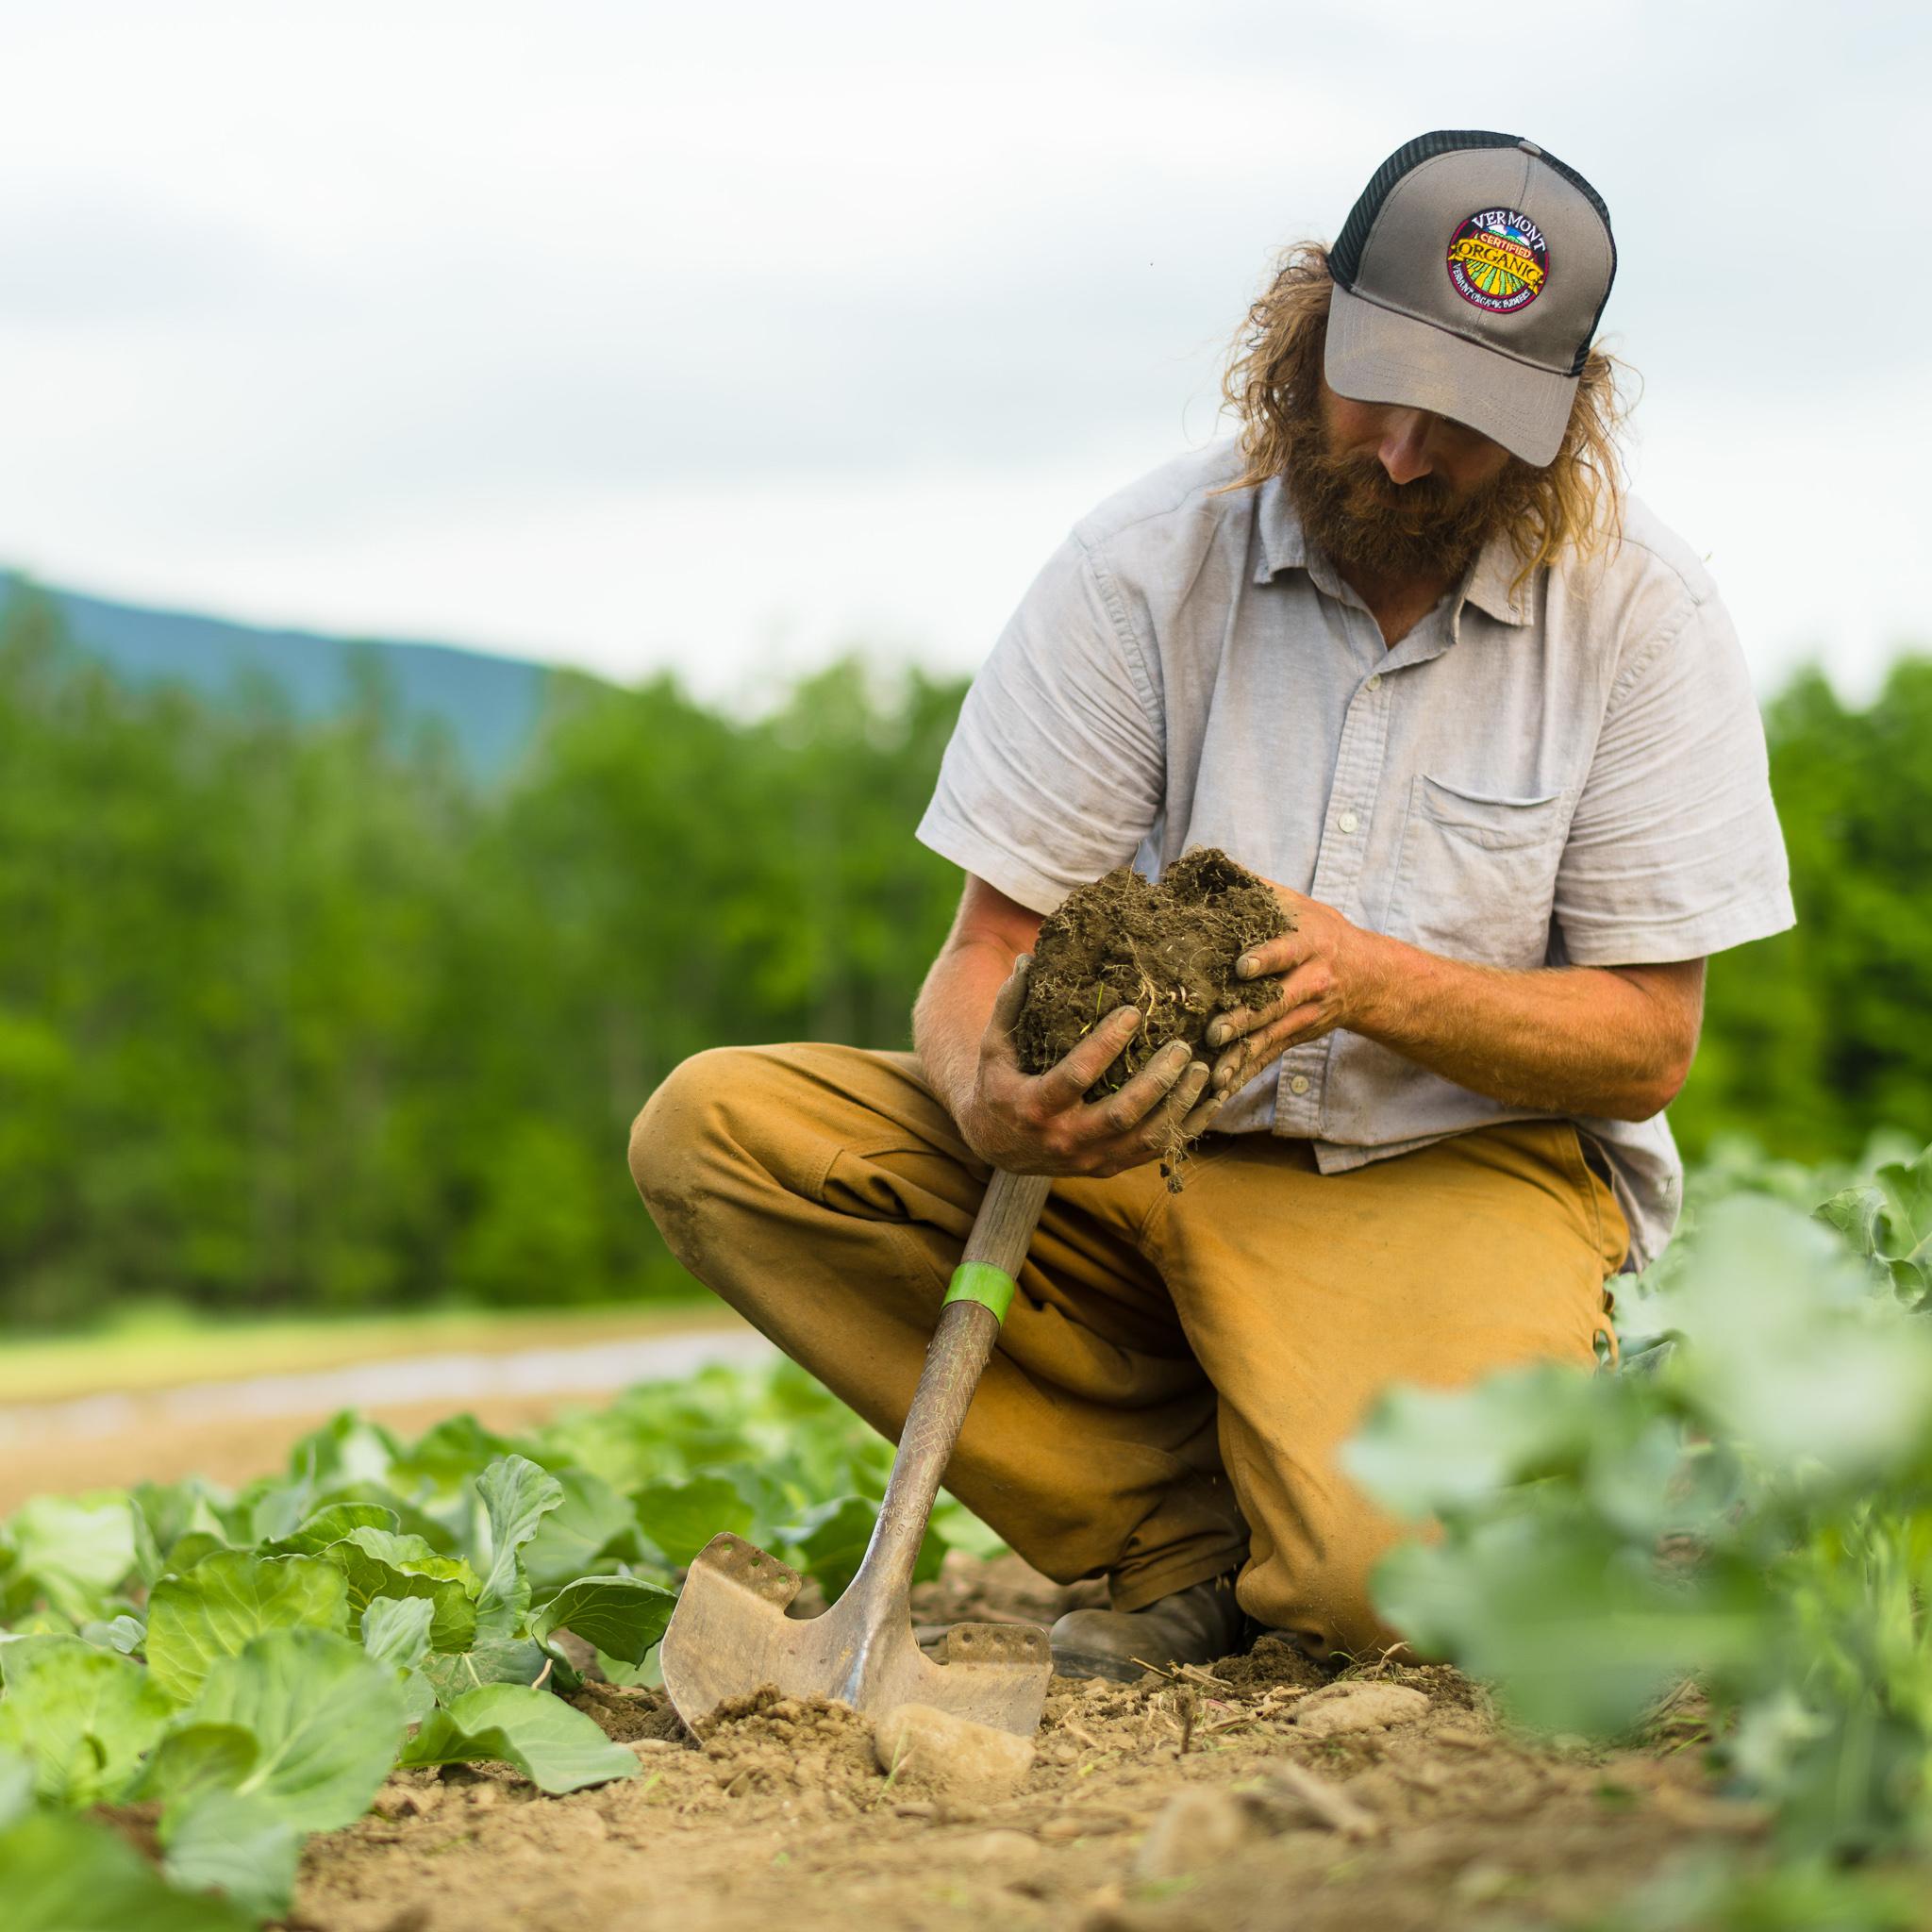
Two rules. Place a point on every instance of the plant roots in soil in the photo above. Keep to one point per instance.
(1169, 950)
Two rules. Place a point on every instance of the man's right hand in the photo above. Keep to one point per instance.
(1043, 1122)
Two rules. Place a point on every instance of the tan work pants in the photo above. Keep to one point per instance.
(1177, 1371)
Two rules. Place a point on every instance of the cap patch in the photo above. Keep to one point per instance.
(1499, 260)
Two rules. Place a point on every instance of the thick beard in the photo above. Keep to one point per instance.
(1351, 510)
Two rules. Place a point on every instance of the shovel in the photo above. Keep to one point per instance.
(729, 1634)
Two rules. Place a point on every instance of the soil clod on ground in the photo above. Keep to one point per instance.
(1166, 1805)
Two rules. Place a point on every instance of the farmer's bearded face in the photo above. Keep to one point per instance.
(1400, 494)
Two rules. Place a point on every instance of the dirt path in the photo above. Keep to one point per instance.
(1166, 1807)
(235, 1428)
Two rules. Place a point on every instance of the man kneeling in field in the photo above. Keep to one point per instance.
(1401, 647)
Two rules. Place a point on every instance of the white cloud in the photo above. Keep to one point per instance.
(632, 334)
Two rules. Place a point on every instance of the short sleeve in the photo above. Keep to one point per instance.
(1054, 770)
(1675, 851)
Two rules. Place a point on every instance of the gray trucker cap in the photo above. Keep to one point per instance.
(1469, 280)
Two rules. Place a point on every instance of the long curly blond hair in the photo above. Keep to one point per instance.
(1273, 386)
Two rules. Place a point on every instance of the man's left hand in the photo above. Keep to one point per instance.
(1329, 970)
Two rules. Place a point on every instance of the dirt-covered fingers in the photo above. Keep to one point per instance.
(1226, 1028)
(1282, 954)
(997, 1045)
(1129, 1112)
(1253, 1051)
(1148, 1116)
(1200, 1116)
(1065, 1085)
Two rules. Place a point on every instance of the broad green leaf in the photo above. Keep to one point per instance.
(195, 1547)
(623, 1615)
(830, 1542)
(1790, 1355)
(83, 1715)
(1855, 1211)
(379, 1562)
(445, 1459)
(492, 1659)
(164, 1513)
(63, 1874)
(419, 1695)
(326, 1718)
(194, 1760)
(396, 1630)
(1444, 1452)
(1904, 1221)
(228, 1598)
(238, 1843)
(517, 1496)
(557, 1748)
(75, 1550)
(124, 1633)
(574, 1536)
(1574, 1625)
(681, 1518)
(346, 1449)
(16, 1785)
(330, 1525)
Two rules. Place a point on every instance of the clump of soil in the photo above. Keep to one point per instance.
(1168, 950)
(768, 1743)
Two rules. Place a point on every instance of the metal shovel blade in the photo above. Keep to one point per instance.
(729, 1635)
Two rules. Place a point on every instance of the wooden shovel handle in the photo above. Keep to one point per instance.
(1002, 1230)
(960, 1345)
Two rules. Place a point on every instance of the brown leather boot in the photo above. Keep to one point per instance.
(1195, 1625)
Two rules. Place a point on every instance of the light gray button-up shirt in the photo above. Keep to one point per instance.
(1573, 774)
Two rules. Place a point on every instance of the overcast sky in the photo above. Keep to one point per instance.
(633, 335)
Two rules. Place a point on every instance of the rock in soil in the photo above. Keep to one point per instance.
(1195, 1828)
(1354, 1707)
(933, 1749)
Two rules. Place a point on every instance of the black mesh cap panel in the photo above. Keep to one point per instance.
(1345, 257)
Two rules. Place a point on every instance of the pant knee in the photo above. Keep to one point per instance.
(678, 1137)
(1327, 1605)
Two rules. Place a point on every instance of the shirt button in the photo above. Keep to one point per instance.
(1348, 822)
(1299, 1084)
(1374, 680)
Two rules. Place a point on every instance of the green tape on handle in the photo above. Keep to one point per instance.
(979, 1281)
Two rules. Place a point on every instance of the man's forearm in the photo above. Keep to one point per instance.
(950, 1015)
(1582, 1039)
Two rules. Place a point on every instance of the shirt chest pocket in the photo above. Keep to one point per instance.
(1476, 875)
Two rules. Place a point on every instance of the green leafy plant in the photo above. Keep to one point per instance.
(257, 1663)
(1754, 1512)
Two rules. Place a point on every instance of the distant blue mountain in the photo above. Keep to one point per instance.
(491, 705)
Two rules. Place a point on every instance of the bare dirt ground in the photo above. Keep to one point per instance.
(1241, 1798)
(228, 1449)
(230, 1427)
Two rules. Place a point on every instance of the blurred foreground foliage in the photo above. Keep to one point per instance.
(1746, 1509)
(300, 1015)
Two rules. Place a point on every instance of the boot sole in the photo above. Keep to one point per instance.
(1089, 1663)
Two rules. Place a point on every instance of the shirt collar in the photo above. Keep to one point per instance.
(1284, 545)
(1488, 584)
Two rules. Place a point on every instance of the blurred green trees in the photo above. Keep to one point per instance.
(296, 1015)
(299, 1014)
(1816, 1037)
